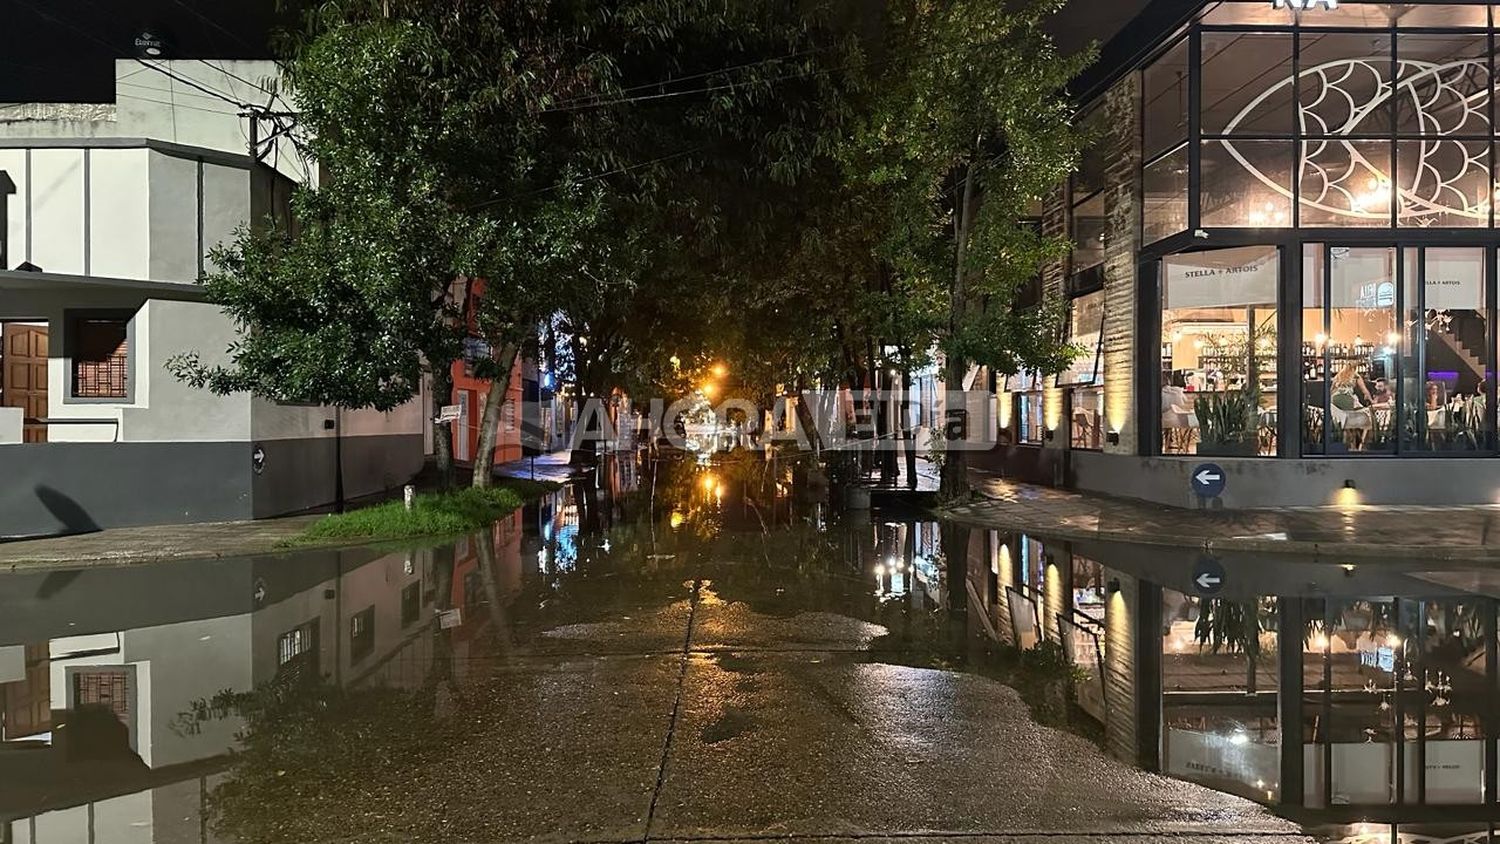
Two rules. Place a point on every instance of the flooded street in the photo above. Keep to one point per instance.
(686, 653)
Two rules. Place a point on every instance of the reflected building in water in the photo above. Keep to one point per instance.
(1340, 692)
(112, 679)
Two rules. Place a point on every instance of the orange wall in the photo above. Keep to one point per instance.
(508, 444)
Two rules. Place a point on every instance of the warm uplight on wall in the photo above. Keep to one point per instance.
(1005, 409)
(1052, 409)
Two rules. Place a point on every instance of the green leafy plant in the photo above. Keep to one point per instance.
(1226, 419)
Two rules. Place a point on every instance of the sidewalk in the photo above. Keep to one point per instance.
(153, 543)
(156, 543)
(1429, 533)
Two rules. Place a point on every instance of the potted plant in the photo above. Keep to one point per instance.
(1226, 424)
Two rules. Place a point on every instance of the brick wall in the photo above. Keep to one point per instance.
(1121, 243)
(1120, 146)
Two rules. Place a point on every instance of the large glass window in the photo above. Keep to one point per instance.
(1089, 224)
(1349, 367)
(1085, 377)
(1246, 183)
(1166, 101)
(1445, 353)
(1164, 182)
(1164, 200)
(1390, 131)
(1246, 84)
(1033, 422)
(1218, 356)
(1398, 351)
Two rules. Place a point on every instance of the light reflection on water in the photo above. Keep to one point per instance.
(126, 692)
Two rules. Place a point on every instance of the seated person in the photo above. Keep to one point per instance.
(1434, 396)
(1381, 394)
(1349, 390)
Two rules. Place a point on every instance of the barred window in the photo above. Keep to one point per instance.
(100, 357)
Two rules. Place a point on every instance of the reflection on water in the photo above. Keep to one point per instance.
(325, 695)
(169, 702)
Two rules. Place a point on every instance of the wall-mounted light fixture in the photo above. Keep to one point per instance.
(1113, 437)
(1051, 434)
(1113, 586)
(1348, 483)
(1348, 569)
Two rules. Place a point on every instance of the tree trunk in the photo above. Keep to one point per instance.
(489, 428)
(442, 432)
(908, 434)
(955, 477)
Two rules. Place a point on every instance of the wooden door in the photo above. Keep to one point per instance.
(24, 355)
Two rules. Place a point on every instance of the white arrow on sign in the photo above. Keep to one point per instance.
(1208, 581)
(1206, 477)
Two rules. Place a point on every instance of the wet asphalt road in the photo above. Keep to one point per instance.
(698, 718)
(681, 662)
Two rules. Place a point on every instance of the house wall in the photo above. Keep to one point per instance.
(136, 211)
(150, 104)
(145, 190)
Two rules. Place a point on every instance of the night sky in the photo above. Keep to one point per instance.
(62, 50)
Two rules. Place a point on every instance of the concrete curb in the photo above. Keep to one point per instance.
(996, 518)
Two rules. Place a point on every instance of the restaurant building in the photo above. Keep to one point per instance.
(1285, 260)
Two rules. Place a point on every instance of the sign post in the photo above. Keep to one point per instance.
(1208, 480)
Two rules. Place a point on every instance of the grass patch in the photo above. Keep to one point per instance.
(432, 514)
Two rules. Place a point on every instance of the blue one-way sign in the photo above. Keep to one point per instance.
(1208, 576)
(1207, 480)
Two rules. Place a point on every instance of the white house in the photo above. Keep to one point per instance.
(109, 212)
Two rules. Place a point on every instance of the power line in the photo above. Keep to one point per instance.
(785, 78)
(220, 95)
(674, 80)
(593, 178)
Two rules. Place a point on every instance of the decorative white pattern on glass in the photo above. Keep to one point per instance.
(1438, 181)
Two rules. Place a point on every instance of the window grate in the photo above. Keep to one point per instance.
(100, 358)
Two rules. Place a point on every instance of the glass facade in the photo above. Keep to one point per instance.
(1085, 379)
(1218, 352)
(1316, 193)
